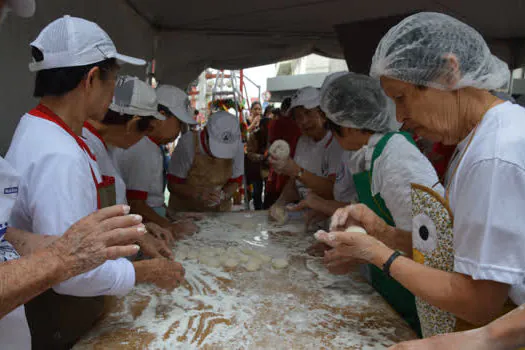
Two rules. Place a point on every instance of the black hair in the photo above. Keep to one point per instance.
(255, 104)
(333, 127)
(285, 105)
(60, 81)
(196, 112)
(165, 110)
(268, 110)
(115, 118)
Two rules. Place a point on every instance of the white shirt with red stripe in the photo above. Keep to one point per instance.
(57, 188)
(14, 330)
(184, 154)
(142, 168)
(320, 158)
(104, 160)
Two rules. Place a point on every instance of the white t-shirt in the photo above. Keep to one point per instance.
(320, 158)
(344, 187)
(487, 197)
(104, 161)
(184, 154)
(56, 190)
(142, 168)
(14, 330)
(399, 165)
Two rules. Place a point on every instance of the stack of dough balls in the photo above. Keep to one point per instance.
(230, 259)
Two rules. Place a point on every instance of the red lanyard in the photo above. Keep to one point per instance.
(43, 112)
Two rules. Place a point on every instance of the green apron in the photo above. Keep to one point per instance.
(394, 293)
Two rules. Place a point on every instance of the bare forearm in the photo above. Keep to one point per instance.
(477, 302)
(322, 186)
(398, 240)
(289, 193)
(183, 190)
(27, 277)
(509, 331)
(26, 243)
(141, 208)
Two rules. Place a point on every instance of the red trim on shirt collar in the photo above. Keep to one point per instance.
(176, 180)
(153, 140)
(136, 195)
(43, 112)
(95, 132)
(203, 142)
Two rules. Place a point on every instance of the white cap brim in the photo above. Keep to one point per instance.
(22, 8)
(183, 116)
(129, 60)
(137, 111)
(223, 150)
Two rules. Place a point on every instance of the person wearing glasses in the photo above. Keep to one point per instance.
(385, 163)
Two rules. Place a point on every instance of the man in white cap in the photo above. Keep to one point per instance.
(127, 121)
(207, 167)
(317, 155)
(76, 64)
(143, 168)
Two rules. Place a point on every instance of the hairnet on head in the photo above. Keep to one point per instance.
(357, 101)
(417, 51)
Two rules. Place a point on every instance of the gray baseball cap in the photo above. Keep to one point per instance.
(135, 97)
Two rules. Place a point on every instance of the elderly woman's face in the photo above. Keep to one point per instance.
(310, 121)
(429, 112)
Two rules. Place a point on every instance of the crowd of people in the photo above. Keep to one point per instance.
(84, 181)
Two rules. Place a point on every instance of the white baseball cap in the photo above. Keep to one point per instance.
(224, 134)
(135, 97)
(177, 102)
(307, 97)
(73, 42)
(22, 8)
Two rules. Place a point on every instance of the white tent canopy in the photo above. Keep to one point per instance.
(186, 37)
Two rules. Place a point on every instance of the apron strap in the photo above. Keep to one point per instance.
(382, 144)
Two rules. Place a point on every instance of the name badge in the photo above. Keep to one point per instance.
(11, 190)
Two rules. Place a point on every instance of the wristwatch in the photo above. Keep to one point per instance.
(300, 173)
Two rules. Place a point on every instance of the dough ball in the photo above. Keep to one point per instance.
(280, 149)
(244, 258)
(280, 215)
(250, 252)
(181, 255)
(279, 263)
(203, 259)
(253, 265)
(356, 229)
(264, 258)
(231, 263)
(233, 250)
(213, 262)
(193, 254)
(223, 258)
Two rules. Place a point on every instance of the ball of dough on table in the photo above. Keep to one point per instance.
(279, 263)
(264, 258)
(356, 229)
(280, 149)
(231, 263)
(253, 265)
(244, 258)
(193, 254)
(181, 255)
(213, 262)
(223, 258)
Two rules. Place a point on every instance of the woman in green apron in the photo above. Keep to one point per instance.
(385, 163)
(468, 240)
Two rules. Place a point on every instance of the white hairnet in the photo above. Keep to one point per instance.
(417, 50)
(357, 101)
